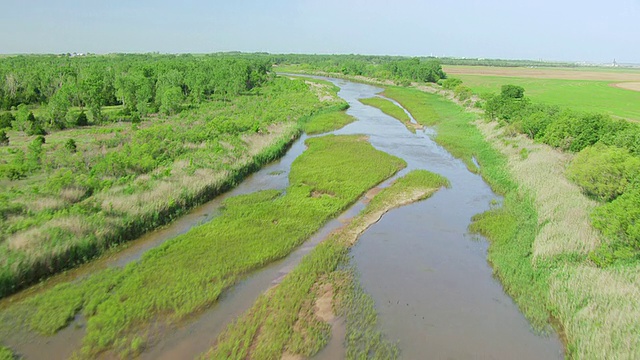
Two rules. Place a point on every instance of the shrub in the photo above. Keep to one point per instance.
(33, 126)
(6, 119)
(71, 145)
(4, 139)
(604, 171)
(574, 131)
(39, 139)
(619, 220)
(512, 92)
(462, 92)
(450, 83)
(623, 134)
(82, 120)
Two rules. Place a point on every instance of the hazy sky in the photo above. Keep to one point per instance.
(585, 30)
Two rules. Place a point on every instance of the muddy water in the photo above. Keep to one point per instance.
(429, 277)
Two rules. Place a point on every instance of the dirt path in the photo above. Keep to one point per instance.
(635, 86)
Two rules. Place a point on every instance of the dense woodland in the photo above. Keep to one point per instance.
(142, 84)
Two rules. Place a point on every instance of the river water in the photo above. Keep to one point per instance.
(429, 277)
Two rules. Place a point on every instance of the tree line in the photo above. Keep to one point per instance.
(398, 68)
(142, 84)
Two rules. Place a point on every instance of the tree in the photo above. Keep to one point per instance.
(171, 100)
(59, 105)
(22, 117)
(33, 126)
(512, 92)
(4, 139)
(6, 119)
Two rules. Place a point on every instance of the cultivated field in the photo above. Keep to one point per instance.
(605, 90)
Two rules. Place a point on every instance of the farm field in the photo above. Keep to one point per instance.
(579, 89)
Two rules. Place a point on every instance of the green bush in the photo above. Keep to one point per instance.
(619, 220)
(574, 131)
(4, 139)
(623, 134)
(604, 171)
(33, 126)
(536, 120)
(82, 120)
(450, 83)
(71, 145)
(512, 92)
(6, 119)
(462, 92)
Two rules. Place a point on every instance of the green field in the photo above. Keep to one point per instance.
(583, 95)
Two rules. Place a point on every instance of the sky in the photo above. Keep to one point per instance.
(564, 30)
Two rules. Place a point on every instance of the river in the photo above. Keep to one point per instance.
(429, 277)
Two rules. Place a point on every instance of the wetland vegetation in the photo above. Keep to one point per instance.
(188, 274)
(70, 195)
(286, 319)
(98, 150)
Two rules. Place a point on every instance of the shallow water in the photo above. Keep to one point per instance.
(429, 277)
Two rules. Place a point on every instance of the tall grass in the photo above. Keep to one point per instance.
(188, 273)
(331, 119)
(283, 320)
(390, 109)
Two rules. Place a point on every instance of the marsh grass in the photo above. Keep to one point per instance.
(390, 109)
(187, 274)
(327, 121)
(283, 320)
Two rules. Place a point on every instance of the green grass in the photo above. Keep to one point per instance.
(284, 320)
(512, 228)
(6, 353)
(582, 95)
(126, 179)
(327, 121)
(188, 273)
(390, 109)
